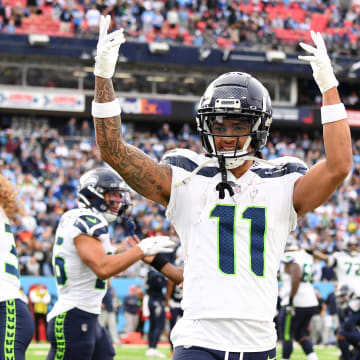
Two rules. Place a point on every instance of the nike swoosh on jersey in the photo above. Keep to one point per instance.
(92, 220)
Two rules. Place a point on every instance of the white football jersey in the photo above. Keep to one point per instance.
(347, 269)
(77, 285)
(232, 247)
(9, 265)
(305, 295)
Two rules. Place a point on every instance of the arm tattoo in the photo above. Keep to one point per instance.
(138, 170)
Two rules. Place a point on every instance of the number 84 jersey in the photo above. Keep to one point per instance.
(232, 247)
(77, 285)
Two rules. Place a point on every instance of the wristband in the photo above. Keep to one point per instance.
(105, 110)
(291, 301)
(159, 262)
(331, 113)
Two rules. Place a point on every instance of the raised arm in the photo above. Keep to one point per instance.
(319, 183)
(144, 175)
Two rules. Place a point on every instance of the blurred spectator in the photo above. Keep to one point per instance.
(93, 19)
(131, 307)
(85, 129)
(140, 295)
(65, 19)
(108, 316)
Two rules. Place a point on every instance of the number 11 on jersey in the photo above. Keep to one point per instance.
(226, 237)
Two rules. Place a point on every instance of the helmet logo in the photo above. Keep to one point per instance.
(92, 180)
(228, 103)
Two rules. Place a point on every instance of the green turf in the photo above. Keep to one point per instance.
(130, 352)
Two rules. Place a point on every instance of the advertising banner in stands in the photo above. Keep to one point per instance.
(141, 106)
(353, 117)
(285, 114)
(49, 101)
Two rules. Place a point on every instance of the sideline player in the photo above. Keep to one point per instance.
(83, 261)
(232, 210)
(299, 302)
(345, 264)
(16, 322)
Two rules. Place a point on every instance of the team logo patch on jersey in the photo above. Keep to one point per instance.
(84, 327)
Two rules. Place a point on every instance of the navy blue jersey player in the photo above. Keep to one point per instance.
(16, 322)
(83, 260)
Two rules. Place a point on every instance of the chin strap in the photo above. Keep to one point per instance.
(223, 185)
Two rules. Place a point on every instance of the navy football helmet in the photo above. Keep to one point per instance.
(235, 96)
(94, 184)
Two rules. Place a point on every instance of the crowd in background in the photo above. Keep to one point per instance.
(227, 24)
(47, 165)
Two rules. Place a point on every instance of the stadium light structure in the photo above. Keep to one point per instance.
(160, 48)
(38, 39)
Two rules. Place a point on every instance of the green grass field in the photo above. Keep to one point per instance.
(131, 352)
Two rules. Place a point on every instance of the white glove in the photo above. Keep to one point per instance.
(107, 49)
(156, 244)
(320, 62)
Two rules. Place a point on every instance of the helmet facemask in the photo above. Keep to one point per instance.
(235, 156)
(117, 202)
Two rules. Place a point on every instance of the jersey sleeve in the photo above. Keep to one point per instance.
(90, 224)
(288, 258)
(294, 168)
(182, 162)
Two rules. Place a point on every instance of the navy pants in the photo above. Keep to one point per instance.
(77, 335)
(200, 353)
(295, 327)
(157, 320)
(16, 329)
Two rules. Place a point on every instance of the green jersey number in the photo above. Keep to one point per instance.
(226, 215)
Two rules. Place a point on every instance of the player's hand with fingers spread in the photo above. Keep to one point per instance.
(156, 244)
(107, 49)
(320, 62)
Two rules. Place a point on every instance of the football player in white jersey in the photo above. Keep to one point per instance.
(16, 322)
(83, 260)
(346, 264)
(232, 210)
(298, 299)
